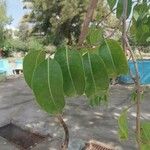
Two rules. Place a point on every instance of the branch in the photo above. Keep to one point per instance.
(103, 18)
(136, 78)
(114, 30)
(88, 18)
(124, 16)
(66, 141)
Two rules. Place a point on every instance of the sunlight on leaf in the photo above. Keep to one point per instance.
(114, 58)
(97, 81)
(73, 71)
(48, 86)
(30, 62)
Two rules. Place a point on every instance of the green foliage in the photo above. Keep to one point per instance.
(120, 8)
(47, 86)
(111, 3)
(73, 72)
(145, 135)
(23, 31)
(113, 56)
(94, 36)
(97, 81)
(31, 61)
(3, 21)
(140, 29)
(15, 45)
(145, 147)
(123, 125)
(34, 44)
(61, 20)
(134, 96)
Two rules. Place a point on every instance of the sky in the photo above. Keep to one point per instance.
(16, 11)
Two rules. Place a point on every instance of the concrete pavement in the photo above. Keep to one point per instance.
(17, 105)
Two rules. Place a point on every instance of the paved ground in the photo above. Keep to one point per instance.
(17, 105)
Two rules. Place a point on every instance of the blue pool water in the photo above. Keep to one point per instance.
(7, 68)
(144, 72)
(4, 66)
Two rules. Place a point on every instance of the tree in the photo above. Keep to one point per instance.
(23, 32)
(60, 19)
(3, 21)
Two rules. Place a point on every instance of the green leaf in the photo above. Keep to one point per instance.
(140, 31)
(141, 10)
(145, 133)
(99, 100)
(120, 8)
(123, 125)
(94, 36)
(145, 146)
(47, 86)
(73, 71)
(134, 96)
(111, 3)
(30, 62)
(114, 58)
(97, 81)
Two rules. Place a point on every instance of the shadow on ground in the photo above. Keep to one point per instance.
(17, 105)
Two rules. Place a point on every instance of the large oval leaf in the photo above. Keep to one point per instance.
(97, 80)
(120, 8)
(73, 71)
(30, 62)
(47, 86)
(114, 58)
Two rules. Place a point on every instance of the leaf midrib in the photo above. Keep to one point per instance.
(35, 68)
(109, 51)
(92, 72)
(67, 61)
(49, 87)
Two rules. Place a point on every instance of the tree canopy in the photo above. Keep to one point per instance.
(58, 20)
(3, 21)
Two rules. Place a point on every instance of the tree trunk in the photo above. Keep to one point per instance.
(88, 18)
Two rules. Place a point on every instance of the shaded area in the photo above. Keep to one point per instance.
(22, 138)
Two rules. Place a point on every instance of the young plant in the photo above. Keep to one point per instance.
(69, 74)
(72, 73)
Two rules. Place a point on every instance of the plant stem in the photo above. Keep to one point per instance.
(136, 78)
(107, 15)
(124, 16)
(138, 116)
(65, 127)
(138, 91)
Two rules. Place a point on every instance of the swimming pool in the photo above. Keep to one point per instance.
(144, 72)
(7, 68)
